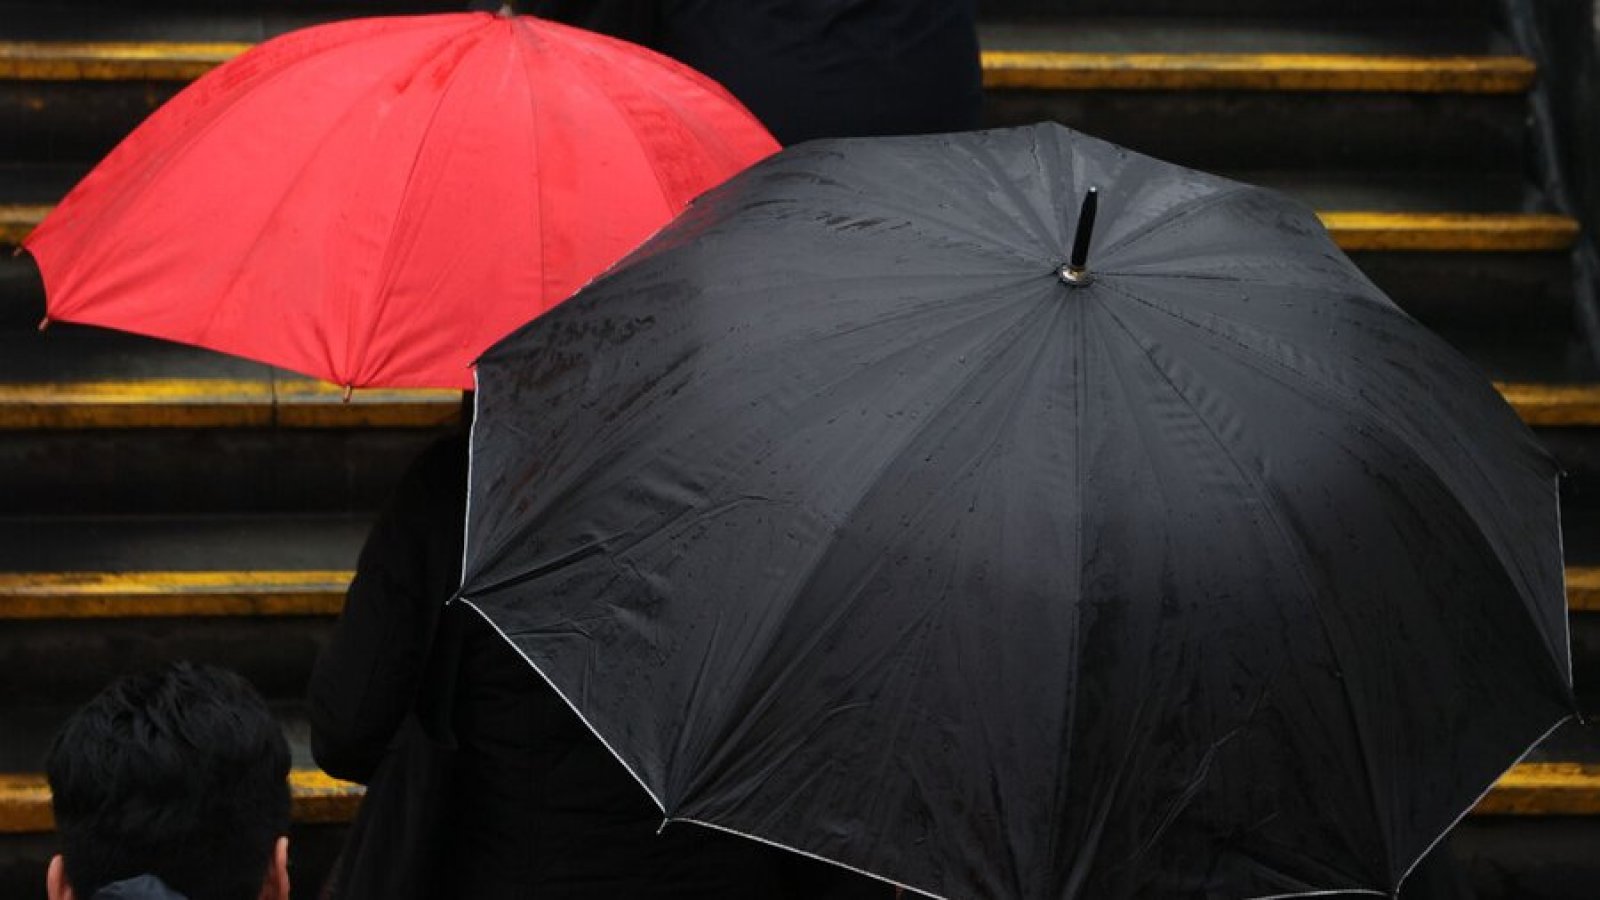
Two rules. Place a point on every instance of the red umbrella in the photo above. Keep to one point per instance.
(374, 202)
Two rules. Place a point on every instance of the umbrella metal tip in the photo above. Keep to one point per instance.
(1076, 276)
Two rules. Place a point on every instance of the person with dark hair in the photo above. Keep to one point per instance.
(171, 785)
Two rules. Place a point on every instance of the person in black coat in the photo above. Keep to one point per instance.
(482, 782)
(813, 68)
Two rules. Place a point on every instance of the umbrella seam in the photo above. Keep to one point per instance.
(1481, 794)
(534, 108)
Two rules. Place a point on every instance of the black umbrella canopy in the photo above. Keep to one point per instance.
(849, 524)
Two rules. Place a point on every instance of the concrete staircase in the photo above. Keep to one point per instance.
(159, 501)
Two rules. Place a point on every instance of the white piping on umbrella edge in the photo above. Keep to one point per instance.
(806, 853)
(466, 516)
(1484, 793)
(1341, 892)
(1566, 621)
(581, 717)
(1567, 632)
(476, 399)
(653, 798)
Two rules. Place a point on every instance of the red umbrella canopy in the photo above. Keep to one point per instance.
(374, 202)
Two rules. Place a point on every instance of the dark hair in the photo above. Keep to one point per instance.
(181, 773)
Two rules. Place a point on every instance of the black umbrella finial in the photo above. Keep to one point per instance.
(1076, 271)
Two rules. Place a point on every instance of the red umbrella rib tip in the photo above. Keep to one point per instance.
(44, 323)
(347, 391)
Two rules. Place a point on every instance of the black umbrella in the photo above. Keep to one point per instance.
(853, 519)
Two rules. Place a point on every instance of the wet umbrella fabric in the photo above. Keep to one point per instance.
(374, 202)
(849, 525)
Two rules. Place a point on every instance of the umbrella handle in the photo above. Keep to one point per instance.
(1076, 271)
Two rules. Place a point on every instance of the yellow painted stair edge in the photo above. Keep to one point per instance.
(113, 60)
(1553, 405)
(1044, 70)
(1545, 789)
(179, 403)
(158, 594)
(1391, 232)
(1529, 789)
(1353, 231)
(219, 403)
(1583, 588)
(315, 797)
(1021, 69)
(153, 594)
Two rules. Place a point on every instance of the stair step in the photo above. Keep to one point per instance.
(156, 594)
(1002, 68)
(1446, 10)
(1041, 70)
(194, 544)
(113, 60)
(315, 797)
(1583, 588)
(104, 595)
(1565, 405)
(1351, 229)
(1528, 789)
(183, 403)
(1545, 789)
(1281, 32)
(180, 403)
(1455, 233)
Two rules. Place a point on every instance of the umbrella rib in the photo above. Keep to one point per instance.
(1297, 556)
(1081, 391)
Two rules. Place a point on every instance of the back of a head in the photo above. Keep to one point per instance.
(182, 774)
